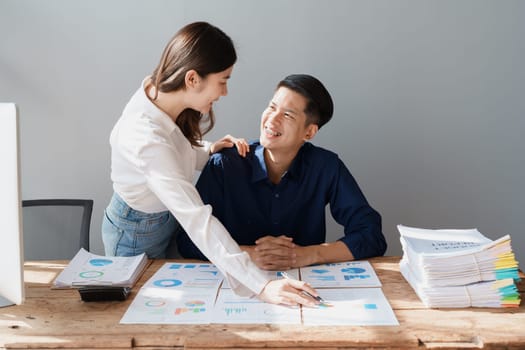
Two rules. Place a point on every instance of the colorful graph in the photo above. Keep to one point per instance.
(235, 310)
(195, 310)
(166, 283)
(91, 274)
(352, 277)
(215, 273)
(349, 274)
(323, 278)
(155, 303)
(193, 303)
(100, 262)
(353, 270)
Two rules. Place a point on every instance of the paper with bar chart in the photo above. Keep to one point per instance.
(337, 275)
(273, 275)
(176, 294)
(231, 308)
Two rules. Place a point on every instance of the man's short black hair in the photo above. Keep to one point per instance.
(319, 106)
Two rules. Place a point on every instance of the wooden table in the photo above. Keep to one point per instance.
(58, 319)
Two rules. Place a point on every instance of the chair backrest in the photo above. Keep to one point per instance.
(56, 228)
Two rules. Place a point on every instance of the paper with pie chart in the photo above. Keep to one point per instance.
(169, 306)
(88, 269)
(176, 294)
(186, 276)
(340, 275)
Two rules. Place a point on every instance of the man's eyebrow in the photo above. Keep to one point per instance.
(288, 110)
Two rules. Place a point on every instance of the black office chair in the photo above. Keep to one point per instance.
(55, 228)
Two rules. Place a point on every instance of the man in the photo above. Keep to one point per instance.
(273, 201)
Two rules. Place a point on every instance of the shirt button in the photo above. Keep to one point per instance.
(277, 195)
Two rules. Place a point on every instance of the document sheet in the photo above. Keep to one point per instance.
(176, 294)
(182, 293)
(351, 306)
(345, 274)
(88, 269)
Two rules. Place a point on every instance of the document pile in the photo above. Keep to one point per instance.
(459, 268)
(87, 269)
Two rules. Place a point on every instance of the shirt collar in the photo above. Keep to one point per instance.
(258, 165)
(260, 172)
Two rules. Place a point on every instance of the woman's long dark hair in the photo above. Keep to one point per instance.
(204, 48)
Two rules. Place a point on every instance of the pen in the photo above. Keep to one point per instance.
(318, 298)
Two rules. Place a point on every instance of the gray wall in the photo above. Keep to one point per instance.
(429, 95)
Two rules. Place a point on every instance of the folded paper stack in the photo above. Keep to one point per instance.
(90, 270)
(459, 268)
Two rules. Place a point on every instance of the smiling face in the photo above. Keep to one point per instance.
(209, 89)
(284, 123)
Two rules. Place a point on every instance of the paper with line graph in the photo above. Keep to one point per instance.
(231, 308)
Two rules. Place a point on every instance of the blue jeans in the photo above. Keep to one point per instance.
(127, 232)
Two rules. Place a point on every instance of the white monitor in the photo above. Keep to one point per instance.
(11, 244)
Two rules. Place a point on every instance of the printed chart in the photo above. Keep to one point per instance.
(186, 276)
(189, 294)
(346, 274)
(176, 294)
(156, 307)
(274, 275)
(90, 269)
(231, 308)
(353, 307)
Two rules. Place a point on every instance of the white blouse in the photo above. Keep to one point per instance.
(152, 169)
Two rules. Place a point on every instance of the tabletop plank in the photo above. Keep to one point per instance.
(58, 319)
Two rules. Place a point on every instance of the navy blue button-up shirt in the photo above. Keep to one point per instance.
(251, 207)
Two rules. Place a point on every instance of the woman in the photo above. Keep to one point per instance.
(156, 146)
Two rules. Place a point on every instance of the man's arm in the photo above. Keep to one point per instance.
(273, 253)
(362, 224)
(322, 254)
(280, 253)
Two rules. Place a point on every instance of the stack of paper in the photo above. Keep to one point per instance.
(447, 268)
(87, 269)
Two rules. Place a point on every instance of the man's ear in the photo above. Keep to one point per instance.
(192, 78)
(311, 130)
